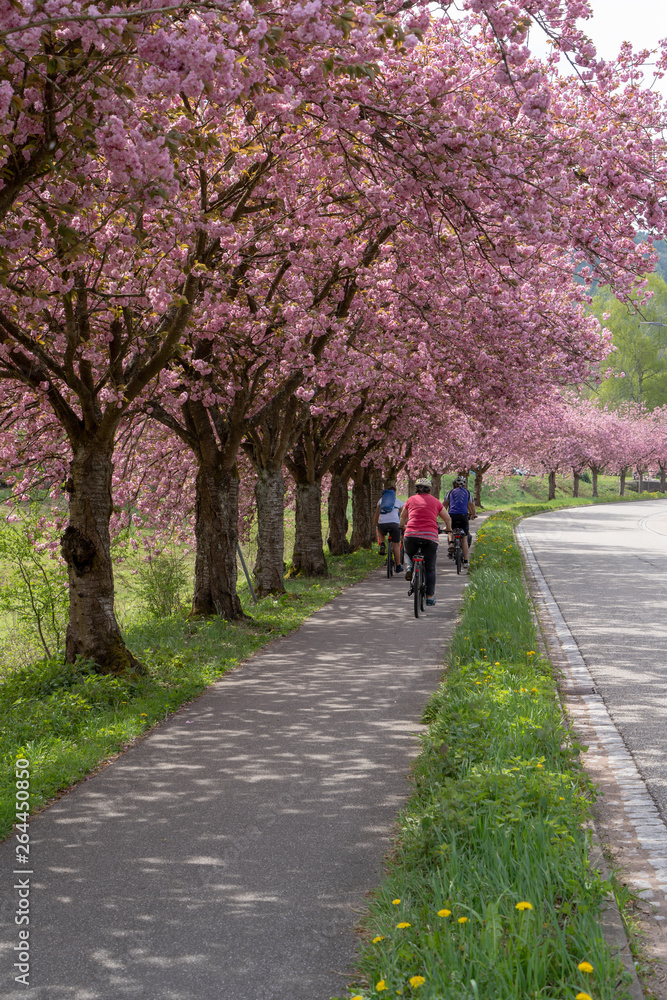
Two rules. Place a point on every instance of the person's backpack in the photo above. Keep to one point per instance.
(387, 501)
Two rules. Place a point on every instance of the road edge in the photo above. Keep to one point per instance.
(563, 652)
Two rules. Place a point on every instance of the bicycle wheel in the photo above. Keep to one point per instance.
(390, 559)
(459, 556)
(417, 572)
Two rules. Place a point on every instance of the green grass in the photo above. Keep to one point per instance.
(535, 489)
(498, 818)
(66, 719)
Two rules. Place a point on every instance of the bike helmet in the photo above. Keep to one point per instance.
(423, 485)
(460, 481)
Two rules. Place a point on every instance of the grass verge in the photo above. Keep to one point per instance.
(490, 893)
(66, 719)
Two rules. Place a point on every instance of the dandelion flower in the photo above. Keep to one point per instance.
(530, 652)
(585, 967)
(403, 924)
(381, 986)
(583, 996)
(496, 664)
(463, 920)
(523, 906)
(358, 997)
(444, 913)
(380, 937)
(416, 981)
(395, 902)
(144, 715)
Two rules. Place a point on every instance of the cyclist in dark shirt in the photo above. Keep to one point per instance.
(461, 508)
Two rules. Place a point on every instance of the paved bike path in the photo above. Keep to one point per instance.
(227, 856)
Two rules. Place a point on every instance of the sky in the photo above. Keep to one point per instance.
(642, 22)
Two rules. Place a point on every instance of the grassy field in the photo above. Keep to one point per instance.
(535, 489)
(489, 892)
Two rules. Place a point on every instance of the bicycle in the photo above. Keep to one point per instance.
(418, 582)
(390, 559)
(456, 552)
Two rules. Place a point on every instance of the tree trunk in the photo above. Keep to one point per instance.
(338, 497)
(552, 486)
(663, 478)
(621, 489)
(92, 632)
(479, 480)
(412, 489)
(308, 558)
(363, 532)
(594, 473)
(436, 485)
(575, 485)
(216, 532)
(270, 496)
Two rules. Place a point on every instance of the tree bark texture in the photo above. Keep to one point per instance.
(594, 472)
(412, 489)
(216, 532)
(269, 565)
(436, 486)
(479, 482)
(621, 488)
(337, 510)
(308, 558)
(363, 532)
(552, 485)
(93, 632)
(663, 478)
(575, 483)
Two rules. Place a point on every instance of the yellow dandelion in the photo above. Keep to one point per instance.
(561, 798)
(463, 920)
(144, 715)
(403, 924)
(380, 937)
(416, 981)
(539, 765)
(583, 996)
(381, 986)
(395, 902)
(530, 652)
(358, 997)
(444, 913)
(585, 967)
(496, 664)
(523, 906)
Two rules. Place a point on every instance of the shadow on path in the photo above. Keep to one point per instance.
(228, 854)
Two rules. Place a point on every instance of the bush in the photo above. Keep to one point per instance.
(34, 589)
(161, 582)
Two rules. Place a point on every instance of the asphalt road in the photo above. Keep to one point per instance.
(227, 856)
(606, 567)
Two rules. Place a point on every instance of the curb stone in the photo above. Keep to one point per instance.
(574, 681)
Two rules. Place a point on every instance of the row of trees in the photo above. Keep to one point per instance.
(293, 235)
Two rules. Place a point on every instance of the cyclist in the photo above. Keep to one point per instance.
(461, 509)
(420, 517)
(385, 522)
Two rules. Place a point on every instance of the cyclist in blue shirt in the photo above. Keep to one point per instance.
(461, 508)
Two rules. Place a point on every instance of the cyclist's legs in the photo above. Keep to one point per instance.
(459, 521)
(395, 535)
(410, 545)
(430, 556)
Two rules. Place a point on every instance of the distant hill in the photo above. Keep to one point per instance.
(660, 247)
(661, 266)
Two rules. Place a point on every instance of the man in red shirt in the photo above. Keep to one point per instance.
(420, 518)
